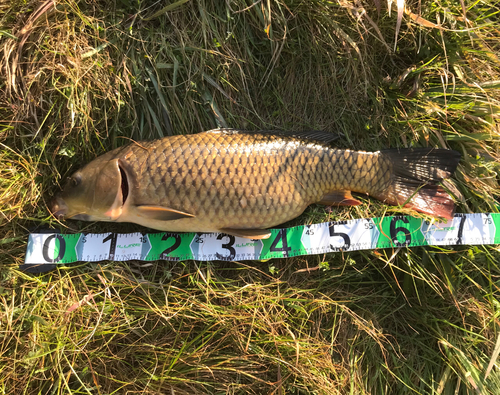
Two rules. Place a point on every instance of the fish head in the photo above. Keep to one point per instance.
(94, 193)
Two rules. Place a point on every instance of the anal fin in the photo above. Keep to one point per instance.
(248, 233)
(339, 198)
(161, 213)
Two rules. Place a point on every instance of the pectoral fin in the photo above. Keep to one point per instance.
(339, 198)
(160, 213)
(248, 233)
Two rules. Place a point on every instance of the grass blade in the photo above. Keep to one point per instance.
(166, 9)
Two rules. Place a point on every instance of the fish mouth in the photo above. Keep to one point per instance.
(59, 209)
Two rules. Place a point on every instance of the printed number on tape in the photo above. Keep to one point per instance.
(352, 235)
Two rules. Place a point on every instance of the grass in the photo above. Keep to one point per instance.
(79, 78)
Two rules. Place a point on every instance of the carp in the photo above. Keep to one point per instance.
(241, 183)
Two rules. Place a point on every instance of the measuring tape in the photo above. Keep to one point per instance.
(351, 235)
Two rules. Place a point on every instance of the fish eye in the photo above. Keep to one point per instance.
(76, 180)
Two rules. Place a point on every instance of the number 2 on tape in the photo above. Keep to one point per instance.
(173, 247)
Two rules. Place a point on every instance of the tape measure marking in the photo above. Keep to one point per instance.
(351, 235)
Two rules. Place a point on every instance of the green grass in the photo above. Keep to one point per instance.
(83, 77)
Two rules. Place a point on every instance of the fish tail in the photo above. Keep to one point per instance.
(415, 179)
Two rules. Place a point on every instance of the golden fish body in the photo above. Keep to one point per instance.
(244, 182)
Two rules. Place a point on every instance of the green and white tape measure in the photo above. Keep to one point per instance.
(352, 235)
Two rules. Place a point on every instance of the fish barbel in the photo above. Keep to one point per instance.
(241, 183)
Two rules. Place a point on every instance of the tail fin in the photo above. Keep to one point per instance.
(417, 173)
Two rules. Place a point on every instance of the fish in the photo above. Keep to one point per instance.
(242, 183)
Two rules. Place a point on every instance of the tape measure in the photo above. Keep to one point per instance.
(351, 235)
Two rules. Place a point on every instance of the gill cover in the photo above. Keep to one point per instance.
(112, 188)
(95, 193)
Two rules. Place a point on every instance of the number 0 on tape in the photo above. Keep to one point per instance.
(352, 235)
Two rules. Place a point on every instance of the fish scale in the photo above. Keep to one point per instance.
(227, 180)
(269, 166)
